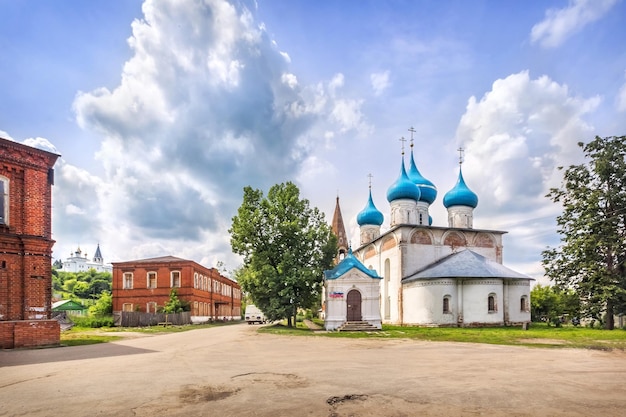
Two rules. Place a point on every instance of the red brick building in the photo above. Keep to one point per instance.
(144, 285)
(26, 178)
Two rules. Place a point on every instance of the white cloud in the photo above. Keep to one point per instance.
(206, 105)
(290, 80)
(380, 82)
(5, 135)
(515, 137)
(41, 143)
(560, 24)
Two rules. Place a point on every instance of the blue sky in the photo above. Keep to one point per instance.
(164, 110)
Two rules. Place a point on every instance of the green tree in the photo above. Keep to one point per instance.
(592, 226)
(549, 304)
(104, 305)
(286, 245)
(175, 304)
(70, 284)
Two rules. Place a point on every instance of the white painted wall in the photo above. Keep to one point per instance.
(337, 308)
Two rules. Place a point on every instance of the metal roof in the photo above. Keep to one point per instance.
(465, 264)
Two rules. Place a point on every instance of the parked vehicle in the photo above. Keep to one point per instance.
(254, 315)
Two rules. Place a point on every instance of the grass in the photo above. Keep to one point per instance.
(539, 335)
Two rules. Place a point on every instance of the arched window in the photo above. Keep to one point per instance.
(491, 303)
(523, 303)
(446, 304)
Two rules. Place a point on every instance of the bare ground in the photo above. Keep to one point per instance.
(234, 371)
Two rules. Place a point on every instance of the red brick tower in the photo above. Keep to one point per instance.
(26, 178)
(340, 231)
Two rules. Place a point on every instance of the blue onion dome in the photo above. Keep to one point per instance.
(403, 188)
(370, 214)
(460, 195)
(428, 191)
(430, 220)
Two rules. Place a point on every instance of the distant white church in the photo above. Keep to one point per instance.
(419, 274)
(79, 262)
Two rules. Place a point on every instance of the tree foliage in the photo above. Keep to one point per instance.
(549, 304)
(102, 307)
(286, 245)
(83, 285)
(592, 226)
(175, 304)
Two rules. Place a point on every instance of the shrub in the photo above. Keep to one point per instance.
(94, 322)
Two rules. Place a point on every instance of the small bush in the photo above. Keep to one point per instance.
(94, 322)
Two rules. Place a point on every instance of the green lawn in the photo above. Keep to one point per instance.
(539, 335)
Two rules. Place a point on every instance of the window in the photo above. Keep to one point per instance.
(127, 281)
(151, 307)
(523, 304)
(446, 304)
(127, 307)
(206, 283)
(175, 279)
(491, 303)
(152, 280)
(195, 280)
(4, 200)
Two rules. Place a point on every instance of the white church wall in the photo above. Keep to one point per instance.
(516, 290)
(475, 301)
(423, 303)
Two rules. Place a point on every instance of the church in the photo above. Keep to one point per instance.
(418, 274)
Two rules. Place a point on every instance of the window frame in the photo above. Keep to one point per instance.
(492, 303)
(4, 203)
(148, 274)
(524, 304)
(446, 309)
(172, 280)
(126, 278)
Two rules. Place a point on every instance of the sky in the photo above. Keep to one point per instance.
(163, 111)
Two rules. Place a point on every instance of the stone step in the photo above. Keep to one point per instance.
(357, 326)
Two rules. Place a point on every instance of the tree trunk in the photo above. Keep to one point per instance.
(609, 322)
(289, 321)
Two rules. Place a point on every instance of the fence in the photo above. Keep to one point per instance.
(137, 319)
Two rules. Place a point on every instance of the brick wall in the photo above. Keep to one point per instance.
(29, 333)
(26, 247)
(217, 304)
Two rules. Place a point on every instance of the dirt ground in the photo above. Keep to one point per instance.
(234, 371)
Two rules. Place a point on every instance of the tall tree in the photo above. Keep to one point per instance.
(286, 245)
(593, 230)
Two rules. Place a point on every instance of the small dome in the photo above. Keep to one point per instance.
(370, 215)
(428, 191)
(403, 188)
(460, 195)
